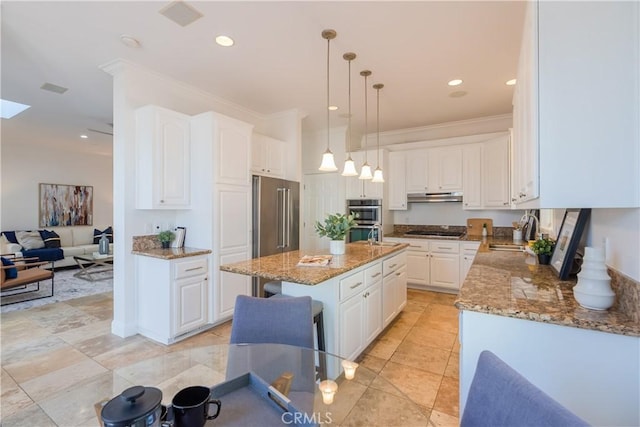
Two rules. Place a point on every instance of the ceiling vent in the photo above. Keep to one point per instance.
(181, 13)
(54, 88)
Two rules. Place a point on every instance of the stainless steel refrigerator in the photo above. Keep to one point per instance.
(276, 219)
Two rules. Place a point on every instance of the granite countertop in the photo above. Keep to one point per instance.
(171, 253)
(284, 266)
(512, 284)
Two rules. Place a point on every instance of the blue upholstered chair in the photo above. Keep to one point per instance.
(286, 320)
(500, 396)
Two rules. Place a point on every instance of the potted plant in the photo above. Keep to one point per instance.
(165, 237)
(336, 226)
(543, 248)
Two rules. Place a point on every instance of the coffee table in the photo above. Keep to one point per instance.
(91, 265)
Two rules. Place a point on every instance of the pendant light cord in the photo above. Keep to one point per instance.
(328, 104)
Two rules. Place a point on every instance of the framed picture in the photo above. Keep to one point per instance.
(62, 205)
(569, 237)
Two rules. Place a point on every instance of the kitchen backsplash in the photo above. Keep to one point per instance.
(399, 229)
(627, 293)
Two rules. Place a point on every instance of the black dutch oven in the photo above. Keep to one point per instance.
(137, 406)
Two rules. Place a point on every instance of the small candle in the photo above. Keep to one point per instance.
(328, 389)
(349, 369)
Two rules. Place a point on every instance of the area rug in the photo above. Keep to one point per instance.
(66, 287)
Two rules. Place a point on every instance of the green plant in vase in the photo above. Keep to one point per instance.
(544, 249)
(336, 226)
(165, 237)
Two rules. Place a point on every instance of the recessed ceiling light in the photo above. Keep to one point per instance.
(458, 94)
(84, 136)
(510, 82)
(225, 41)
(455, 82)
(9, 109)
(130, 41)
(333, 107)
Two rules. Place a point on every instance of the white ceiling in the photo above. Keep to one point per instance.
(278, 61)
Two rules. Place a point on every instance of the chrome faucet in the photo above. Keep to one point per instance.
(371, 237)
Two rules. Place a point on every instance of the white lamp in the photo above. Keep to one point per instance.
(349, 164)
(365, 172)
(328, 163)
(377, 174)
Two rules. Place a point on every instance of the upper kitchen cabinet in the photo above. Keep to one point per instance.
(434, 170)
(267, 156)
(163, 156)
(576, 110)
(364, 188)
(396, 181)
(472, 176)
(495, 173)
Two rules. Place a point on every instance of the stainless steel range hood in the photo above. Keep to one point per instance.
(434, 197)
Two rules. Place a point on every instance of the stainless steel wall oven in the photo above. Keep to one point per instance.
(369, 219)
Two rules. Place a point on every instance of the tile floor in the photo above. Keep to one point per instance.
(50, 350)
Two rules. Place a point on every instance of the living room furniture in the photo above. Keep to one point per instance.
(500, 396)
(91, 264)
(29, 271)
(74, 240)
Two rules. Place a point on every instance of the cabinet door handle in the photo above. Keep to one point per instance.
(356, 285)
(193, 268)
(398, 274)
(375, 275)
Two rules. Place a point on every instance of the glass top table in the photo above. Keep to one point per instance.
(91, 265)
(366, 399)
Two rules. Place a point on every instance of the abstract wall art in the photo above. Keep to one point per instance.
(62, 205)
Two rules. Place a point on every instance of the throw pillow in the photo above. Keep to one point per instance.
(97, 234)
(10, 273)
(51, 239)
(29, 240)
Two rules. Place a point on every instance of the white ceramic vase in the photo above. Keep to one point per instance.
(593, 289)
(336, 247)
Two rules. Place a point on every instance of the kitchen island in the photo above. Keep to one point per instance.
(361, 291)
(587, 360)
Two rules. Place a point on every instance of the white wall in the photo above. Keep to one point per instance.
(24, 167)
(452, 214)
(621, 229)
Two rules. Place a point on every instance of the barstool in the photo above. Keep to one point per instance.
(272, 288)
(318, 320)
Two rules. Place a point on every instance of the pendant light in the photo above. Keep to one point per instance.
(328, 163)
(377, 174)
(349, 164)
(365, 172)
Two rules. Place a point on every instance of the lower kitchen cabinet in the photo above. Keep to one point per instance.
(172, 297)
(433, 264)
(468, 252)
(394, 287)
(360, 310)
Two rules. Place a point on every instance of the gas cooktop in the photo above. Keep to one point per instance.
(441, 234)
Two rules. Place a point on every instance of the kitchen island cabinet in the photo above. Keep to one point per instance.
(587, 360)
(349, 289)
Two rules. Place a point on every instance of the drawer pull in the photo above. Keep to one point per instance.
(393, 266)
(415, 246)
(375, 275)
(440, 247)
(356, 285)
(398, 274)
(193, 268)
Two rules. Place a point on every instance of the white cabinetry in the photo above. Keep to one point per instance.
(495, 173)
(360, 310)
(468, 252)
(569, 106)
(472, 176)
(163, 159)
(221, 218)
(432, 264)
(172, 297)
(397, 188)
(394, 287)
(364, 188)
(267, 156)
(434, 170)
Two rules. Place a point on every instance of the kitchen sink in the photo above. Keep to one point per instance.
(506, 247)
(388, 244)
